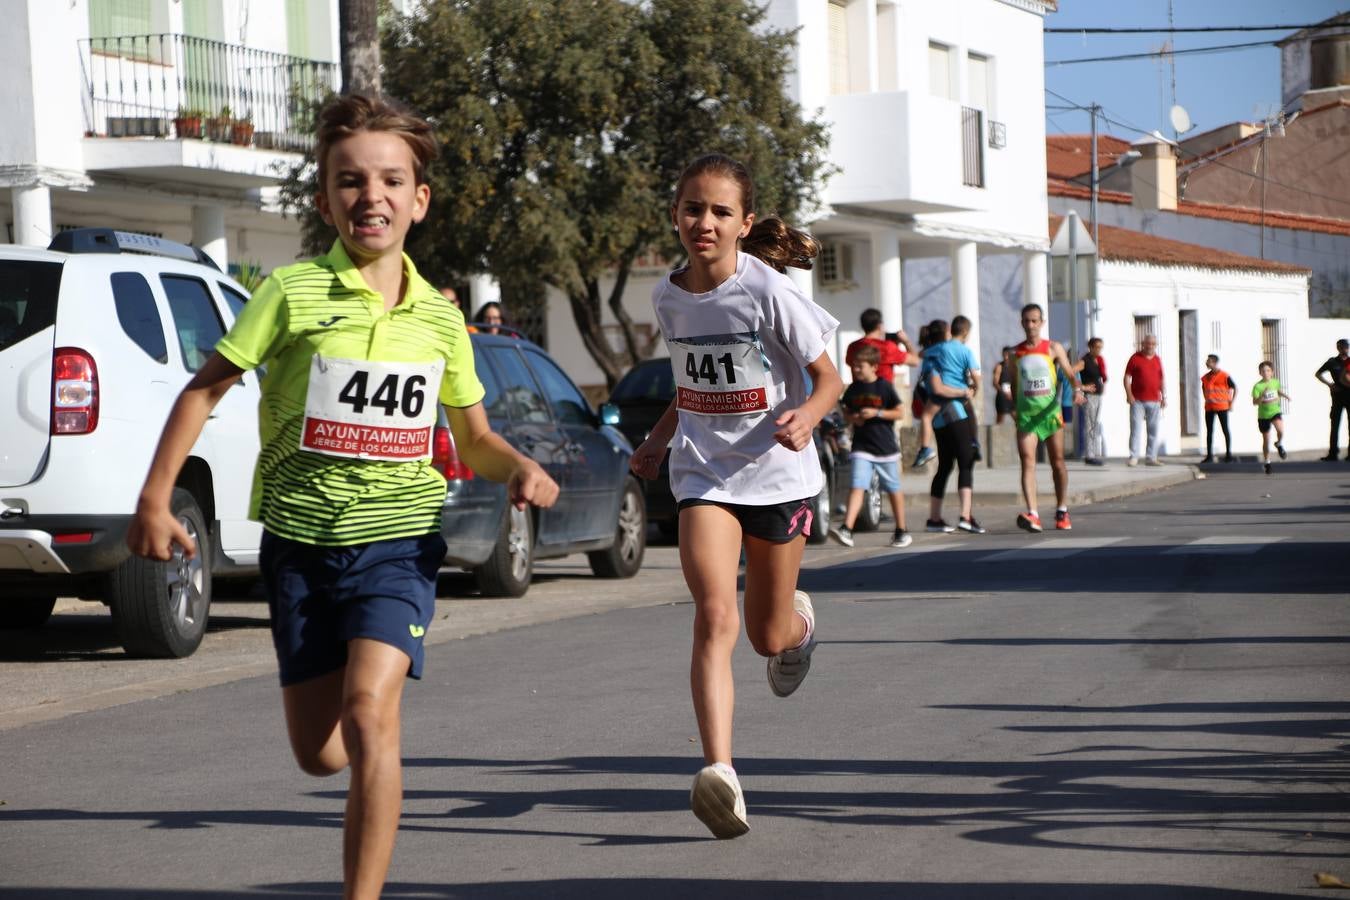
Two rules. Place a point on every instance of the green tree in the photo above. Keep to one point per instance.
(564, 125)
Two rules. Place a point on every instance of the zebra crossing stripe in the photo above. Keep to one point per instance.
(1223, 543)
(1053, 548)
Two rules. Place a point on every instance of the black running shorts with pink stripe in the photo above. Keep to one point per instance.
(777, 523)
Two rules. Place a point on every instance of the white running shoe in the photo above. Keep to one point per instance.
(717, 800)
(787, 669)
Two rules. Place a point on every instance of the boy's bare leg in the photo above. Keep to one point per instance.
(898, 509)
(855, 501)
(372, 692)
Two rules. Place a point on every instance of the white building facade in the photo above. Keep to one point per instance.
(93, 92)
(936, 120)
(1242, 316)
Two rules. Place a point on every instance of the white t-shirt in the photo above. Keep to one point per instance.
(738, 354)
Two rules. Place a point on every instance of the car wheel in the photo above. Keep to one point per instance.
(160, 608)
(820, 515)
(508, 570)
(25, 612)
(869, 517)
(623, 558)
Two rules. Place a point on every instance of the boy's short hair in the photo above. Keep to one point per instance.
(867, 353)
(960, 326)
(1213, 356)
(870, 320)
(1094, 340)
(349, 114)
(1264, 363)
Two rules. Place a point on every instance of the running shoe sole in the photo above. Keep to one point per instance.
(788, 669)
(718, 803)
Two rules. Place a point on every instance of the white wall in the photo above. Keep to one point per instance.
(1238, 301)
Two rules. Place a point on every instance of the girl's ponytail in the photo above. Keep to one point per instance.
(778, 244)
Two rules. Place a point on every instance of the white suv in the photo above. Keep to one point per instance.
(98, 334)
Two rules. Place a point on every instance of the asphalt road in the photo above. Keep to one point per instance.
(1153, 705)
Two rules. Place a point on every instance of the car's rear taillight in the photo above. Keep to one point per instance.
(445, 458)
(74, 392)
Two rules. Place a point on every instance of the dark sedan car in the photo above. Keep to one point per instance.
(645, 392)
(532, 403)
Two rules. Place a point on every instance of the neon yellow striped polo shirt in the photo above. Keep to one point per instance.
(323, 308)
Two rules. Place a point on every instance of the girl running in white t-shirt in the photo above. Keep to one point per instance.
(742, 463)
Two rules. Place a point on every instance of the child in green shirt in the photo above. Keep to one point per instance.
(1266, 395)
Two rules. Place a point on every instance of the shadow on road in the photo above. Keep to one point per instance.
(680, 889)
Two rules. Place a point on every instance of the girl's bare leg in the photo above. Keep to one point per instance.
(771, 572)
(710, 551)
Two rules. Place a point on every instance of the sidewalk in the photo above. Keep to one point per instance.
(1002, 486)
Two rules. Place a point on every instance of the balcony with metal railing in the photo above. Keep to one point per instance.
(192, 94)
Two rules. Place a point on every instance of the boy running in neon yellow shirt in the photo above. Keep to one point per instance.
(359, 349)
(1266, 395)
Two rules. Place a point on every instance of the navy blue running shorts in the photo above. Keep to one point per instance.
(322, 597)
(777, 523)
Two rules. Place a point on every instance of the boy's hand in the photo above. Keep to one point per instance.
(646, 460)
(794, 430)
(153, 533)
(530, 484)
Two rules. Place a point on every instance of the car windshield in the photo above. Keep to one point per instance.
(649, 382)
(27, 299)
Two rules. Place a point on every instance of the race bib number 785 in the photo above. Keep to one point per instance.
(371, 410)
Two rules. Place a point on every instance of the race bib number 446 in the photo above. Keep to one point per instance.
(719, 379)
(371, 410)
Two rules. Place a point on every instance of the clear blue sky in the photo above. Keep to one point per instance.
(1215, 88)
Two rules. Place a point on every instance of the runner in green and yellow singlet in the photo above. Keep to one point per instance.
(1037, 415)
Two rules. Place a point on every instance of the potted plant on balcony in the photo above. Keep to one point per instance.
(188, 122)
(241, 131)
(218, 126)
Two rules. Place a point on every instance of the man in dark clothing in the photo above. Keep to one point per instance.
(1337, 370)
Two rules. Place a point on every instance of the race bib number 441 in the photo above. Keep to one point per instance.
(719, 379)
(371, 410)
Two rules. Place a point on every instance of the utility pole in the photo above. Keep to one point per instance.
(1093, 110)
(359, 28)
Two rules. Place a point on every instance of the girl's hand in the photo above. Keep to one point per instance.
(794, 430)
(153, 533)
(530, 484)
(646, 459)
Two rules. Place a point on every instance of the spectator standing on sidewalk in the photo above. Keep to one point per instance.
(893, 348)
(872, 407)
(1092, 373)
(1145, 394)
(1220, 391)
(951, 374)
(1003, 378)
(1337, 370)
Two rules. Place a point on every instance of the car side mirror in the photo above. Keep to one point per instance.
(609, 414)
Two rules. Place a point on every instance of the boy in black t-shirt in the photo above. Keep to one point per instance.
(872, 406)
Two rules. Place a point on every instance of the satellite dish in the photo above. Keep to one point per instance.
(1181, 120)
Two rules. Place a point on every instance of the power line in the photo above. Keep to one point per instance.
(1155, 54)
(1197, 156)
(1172, 30)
